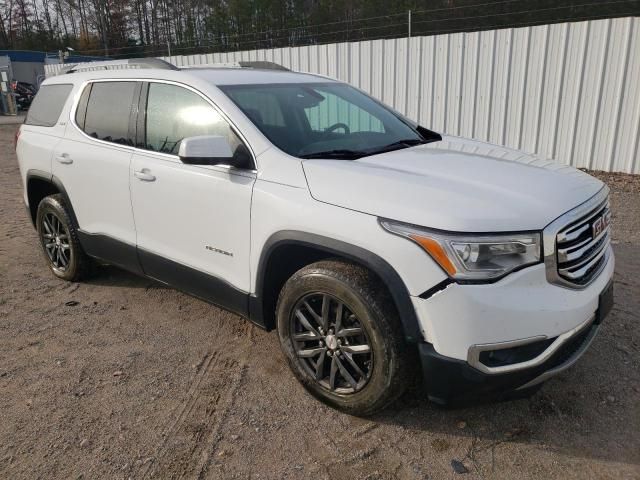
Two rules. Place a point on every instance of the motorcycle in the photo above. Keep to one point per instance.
(24, 93)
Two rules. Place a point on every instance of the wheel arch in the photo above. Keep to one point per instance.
(298, 249)
(41, 184)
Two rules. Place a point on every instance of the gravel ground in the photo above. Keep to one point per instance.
(120, 377)
(12, 119)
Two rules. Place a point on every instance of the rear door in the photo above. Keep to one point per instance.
(192, 221)
(93, 162)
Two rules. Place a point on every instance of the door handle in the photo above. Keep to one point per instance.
(64, 158)
(144, 175)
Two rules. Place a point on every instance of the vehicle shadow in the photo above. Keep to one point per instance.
(568, 416)
(588, 411)
(111, 276)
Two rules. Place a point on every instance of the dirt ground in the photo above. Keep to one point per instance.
(122, 378)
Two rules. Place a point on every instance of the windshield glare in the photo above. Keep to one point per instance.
(304, 119)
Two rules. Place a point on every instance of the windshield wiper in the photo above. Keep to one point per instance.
(346, 154)
(339, 153)
(409, 142)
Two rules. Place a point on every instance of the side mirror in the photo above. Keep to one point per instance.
(212, 150)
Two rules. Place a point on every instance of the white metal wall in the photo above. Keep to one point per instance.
(567, 91)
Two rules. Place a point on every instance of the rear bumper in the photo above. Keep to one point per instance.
(448, 379)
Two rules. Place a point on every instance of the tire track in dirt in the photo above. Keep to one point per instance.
(243, 330)
(359, 450)
(182, 413)
(197, 422)
(212, 440)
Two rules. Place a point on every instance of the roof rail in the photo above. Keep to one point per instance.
(119, 65)
(260, 64)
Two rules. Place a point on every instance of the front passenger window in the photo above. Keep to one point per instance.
(175, 113)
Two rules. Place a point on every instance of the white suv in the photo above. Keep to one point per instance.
(376, 247)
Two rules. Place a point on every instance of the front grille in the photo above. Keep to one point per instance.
(581, 246)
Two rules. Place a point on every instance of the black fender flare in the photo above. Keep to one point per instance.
(375, 263)
(57, 183)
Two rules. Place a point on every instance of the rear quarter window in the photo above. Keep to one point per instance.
(47, 105)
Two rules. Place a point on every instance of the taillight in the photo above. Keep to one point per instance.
(16, 137)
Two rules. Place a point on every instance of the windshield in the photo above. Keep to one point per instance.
(322, 120)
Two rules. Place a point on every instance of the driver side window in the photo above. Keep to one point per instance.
(334, 110)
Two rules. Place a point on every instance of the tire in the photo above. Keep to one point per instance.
(369, 318)
(59, 239)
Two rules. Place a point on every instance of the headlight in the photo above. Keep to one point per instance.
(473, 257)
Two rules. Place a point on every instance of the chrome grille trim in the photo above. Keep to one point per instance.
(583, 268)
(572, 257)
(572, 235)
(575, 252)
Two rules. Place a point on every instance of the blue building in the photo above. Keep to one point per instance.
(28, 66)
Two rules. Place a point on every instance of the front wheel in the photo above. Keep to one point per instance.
(342, 337)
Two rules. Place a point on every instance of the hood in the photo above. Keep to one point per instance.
(456, 184)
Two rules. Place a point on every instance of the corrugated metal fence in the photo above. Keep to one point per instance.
(567, 91)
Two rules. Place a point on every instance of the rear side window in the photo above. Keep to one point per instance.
(47, 105)
(107, 111)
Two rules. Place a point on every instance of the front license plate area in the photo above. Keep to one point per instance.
(605, 302)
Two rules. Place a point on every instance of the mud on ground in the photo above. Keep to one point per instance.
(122, 378)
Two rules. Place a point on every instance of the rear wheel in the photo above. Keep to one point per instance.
(59, 240)
(342, 337)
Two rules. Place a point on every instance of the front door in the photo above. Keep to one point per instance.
(192, 221)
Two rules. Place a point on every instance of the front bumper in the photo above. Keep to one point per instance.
(521, 306)
(535, 328)
(448, 380)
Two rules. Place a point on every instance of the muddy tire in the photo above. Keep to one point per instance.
(342, 337)
(59, 240)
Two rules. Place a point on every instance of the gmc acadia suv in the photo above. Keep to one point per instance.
(375, 247)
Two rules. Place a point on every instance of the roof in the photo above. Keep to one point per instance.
(248, 76)
(214, 76)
